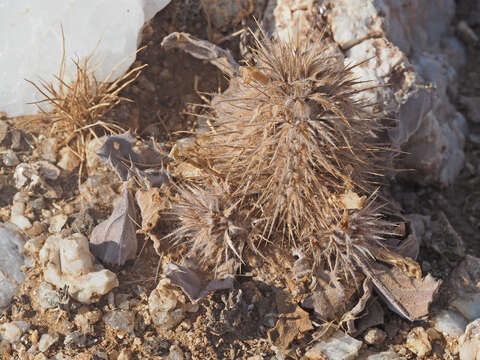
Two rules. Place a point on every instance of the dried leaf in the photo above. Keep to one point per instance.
(373, 315)
(331, 299)
(350, 317)
(203, 50)
(408, 297)
(118, 151)
(351, 201)
(194, 284)
(288, 327)
(114, 241)
(150, 203)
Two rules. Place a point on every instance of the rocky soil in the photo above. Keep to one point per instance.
(432, 84)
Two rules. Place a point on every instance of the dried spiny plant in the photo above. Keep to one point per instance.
(355, 238)
(78, 107)
(211, 225)
(292, 133)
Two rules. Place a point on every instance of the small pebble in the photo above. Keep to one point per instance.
(387, 355)
(48, 170)
(120, 320)
(374, 336)
(124, 355)
(469, 343)
(418, 342)
(68, 160)
(10, 159)
(47, 296)
(47, 340)
(176, 353)
(450, 323)
(14, 330)
(21, 221)
(57, 222)
(3, 130)
(338, 346)
(18, 208)
(75, 340)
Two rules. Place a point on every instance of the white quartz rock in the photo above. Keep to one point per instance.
(68, 261)
(450, 323)
(31, 38)
(469, 343)
(339, 346)
(11, 261)
(12, 331)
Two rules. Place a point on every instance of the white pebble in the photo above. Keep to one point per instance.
(450, 323)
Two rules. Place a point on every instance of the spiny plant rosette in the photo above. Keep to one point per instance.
(291, 137)
(211, 225)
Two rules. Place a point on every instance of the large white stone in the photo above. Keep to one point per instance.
(31, 38)
(68, 261)
(11, 261)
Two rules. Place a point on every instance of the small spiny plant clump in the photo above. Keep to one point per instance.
(292, 138)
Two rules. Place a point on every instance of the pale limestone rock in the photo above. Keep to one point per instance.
(469, 343)
(166, 305)
(339, 346)
(47, 340)
(14, 330)
(68, 261)
(12, 244)
(68, 160)
(413, 51)
(418, 342)
(387, 355)
(31, 38)
(450, 323)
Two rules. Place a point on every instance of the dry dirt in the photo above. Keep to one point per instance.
(163, 100)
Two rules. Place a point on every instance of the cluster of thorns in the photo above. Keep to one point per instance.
(292, 160)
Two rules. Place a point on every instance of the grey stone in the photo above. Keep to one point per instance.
(120, 320)
(47, 296)
(469, 343)
(47, 340)
(75, 340)
(339, 346)
(430, 129)
(11, 261)
(374, 336)
(10, 158)
(450, 323)
(3, 130)
(13, 331)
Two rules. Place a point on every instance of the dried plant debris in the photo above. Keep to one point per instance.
(80, 106)
(294, 159)
(407, 296)
(114, 241)
(195, 284)
(148, 163)
(289, 327)
(203, 50)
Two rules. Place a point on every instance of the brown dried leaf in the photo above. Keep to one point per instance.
(150, 203)
(288, 327)
(114, 241)
(350, 317)
(194, 284)
(408, 297)
(118, 151)
(203, 50)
